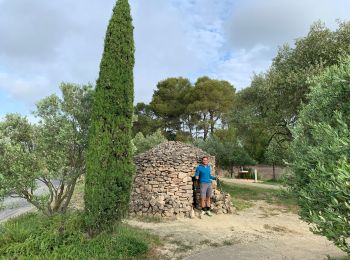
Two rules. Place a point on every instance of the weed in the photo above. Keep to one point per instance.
(228, 243)
(205, 242)
(241, 204)
(275, 228)
(181, 246)
(279, 229)
(338, 258)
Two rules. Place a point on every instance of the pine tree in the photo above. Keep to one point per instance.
(109, 158)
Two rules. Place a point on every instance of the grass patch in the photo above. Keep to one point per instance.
(244, 195)
(181, 247)
(228, 243)
(33, 236)
(241, 204)
(77, 201)
(149, 219)
(277, 182)
(214, 244)
(278, 229)
(205, 242)
(338, 258)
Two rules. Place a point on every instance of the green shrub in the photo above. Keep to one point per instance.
(143, 144)
(228, 153)
(33, 236)
(321, 152)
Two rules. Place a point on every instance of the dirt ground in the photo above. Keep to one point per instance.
(261, 232)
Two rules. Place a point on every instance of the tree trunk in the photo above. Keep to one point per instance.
(205, 126)
(212, 123)
(273, 171)
(205, 133)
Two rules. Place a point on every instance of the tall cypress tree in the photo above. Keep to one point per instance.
(109, 159)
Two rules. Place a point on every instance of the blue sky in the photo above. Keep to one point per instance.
(43, 43)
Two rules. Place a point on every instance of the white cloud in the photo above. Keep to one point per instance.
(28, 89)
(275, 22)
(255, 29)
(238, 67)
(32, 30)
(46, 42)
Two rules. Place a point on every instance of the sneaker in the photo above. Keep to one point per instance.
(209, 213)
(202, 214)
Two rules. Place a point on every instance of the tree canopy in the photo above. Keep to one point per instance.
(185, 111)
(51, 153)
(268, 109)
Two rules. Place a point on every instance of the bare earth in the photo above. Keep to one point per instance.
(263, 231)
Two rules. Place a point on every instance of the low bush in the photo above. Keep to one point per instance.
(34, 236)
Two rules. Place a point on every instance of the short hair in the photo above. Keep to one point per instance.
(204, 157)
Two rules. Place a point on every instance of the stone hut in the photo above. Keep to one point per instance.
(163, 185)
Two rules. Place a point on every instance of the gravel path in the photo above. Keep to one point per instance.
(263, 231)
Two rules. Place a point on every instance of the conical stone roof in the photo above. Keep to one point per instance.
(173, 151)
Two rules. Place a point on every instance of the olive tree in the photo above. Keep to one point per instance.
(49, 154)
(321, 156)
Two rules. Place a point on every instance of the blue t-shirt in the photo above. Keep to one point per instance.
(204, 174)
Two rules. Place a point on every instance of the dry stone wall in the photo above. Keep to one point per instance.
(163, 184)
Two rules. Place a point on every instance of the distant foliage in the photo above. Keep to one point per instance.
(143, 144)
(276, 153)
(321, 156)
(227, 153)
(145, 121)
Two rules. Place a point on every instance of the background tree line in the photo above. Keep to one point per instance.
(184, 111)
